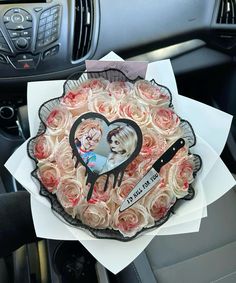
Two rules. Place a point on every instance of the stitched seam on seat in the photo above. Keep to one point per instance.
(136, 273)
(153, 271)
(223, 277)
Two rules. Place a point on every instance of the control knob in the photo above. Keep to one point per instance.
(6, 112)
(21, 43)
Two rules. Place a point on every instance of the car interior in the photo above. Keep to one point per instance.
(49, 40)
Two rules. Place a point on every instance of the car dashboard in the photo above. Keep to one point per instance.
(37, 39)
(51, 39)
(48, 39)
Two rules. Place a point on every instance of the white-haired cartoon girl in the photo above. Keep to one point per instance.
(122, 141)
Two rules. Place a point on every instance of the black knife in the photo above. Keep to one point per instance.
(152, 177)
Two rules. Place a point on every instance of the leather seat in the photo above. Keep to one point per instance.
(206, 256)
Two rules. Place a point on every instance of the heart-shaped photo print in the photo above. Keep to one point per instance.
(104, 147)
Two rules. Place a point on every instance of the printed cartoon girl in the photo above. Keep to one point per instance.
(87, 138)
(122, 141)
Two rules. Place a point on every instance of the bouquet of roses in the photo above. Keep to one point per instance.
(65, 157)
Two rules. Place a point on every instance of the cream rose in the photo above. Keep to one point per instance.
(182, 152)
(104, 105)
(81, 174)
(146, 165)
(43, 147)
(99, 191)
(112, 206)
(133, 110)
(164, 174)
(180, 175)
(49, 175)
(63, 157)
(152, 94)
(133, 168)
(159, 201)
(95, 215)
(76, 100)
(69, 194)
(139, 166)
(120, 193)
(58, 121)
(153, 144)
(120, 90)
(166, 122)
(95, 85)
(131, 220)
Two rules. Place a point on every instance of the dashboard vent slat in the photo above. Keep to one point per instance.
(226, 12)
(83, 28)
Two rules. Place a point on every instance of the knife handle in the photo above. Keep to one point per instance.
(168, 154)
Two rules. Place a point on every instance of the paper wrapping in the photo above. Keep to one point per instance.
(211, 127)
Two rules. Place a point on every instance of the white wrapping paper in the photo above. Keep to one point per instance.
(213, 181)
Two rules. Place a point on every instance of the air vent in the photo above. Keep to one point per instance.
(84, 17)
(227, 12)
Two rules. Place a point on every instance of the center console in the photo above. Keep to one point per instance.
(29, 33)
(41, 38)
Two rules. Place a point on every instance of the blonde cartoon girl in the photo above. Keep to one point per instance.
(122, 141)
(88, 135)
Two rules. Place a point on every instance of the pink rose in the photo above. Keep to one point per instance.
(139, 166)
(49, 175)
(112, 205)
(164, 174)
(181, 175)
(133, 168)
(120, 193)
(151, 93)
(104, 105)
(59, 121)
(63, 157)
(159, 201)
(133, 110)
(166, 122)
(95, 85)
(81, 174)
(43, 147)
(153, 144)
(99, 193)
(182, 152)
(120, 90)
(95, 215)
(146, 165)
(76, 101)
(131, 220)
(69, 194)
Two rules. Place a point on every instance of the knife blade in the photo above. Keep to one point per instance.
(152, 177)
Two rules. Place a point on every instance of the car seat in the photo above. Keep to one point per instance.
(206, 256)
